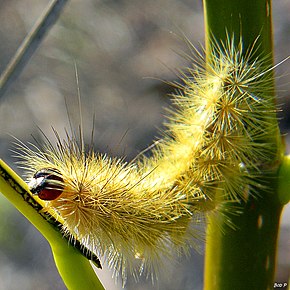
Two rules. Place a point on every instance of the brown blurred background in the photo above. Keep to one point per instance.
(123, 51)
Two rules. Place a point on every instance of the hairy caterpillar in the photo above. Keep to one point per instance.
(213, 147)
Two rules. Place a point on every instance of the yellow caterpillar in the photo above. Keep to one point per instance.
(153, 207)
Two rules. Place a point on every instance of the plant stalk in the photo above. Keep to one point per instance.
(30, 43)
(71, 261)
(245, 258)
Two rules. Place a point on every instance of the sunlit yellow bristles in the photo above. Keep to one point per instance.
(154, 206)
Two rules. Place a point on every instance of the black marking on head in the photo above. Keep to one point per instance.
(47, 183)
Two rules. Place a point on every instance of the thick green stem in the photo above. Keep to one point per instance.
(284, 181)
(248, 18)
(244, 258)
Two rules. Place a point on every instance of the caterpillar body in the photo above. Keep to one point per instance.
(211, 152)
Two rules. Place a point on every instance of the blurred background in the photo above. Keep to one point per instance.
(124, 50)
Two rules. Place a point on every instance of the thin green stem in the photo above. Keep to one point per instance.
(72, 263)
(30, 43)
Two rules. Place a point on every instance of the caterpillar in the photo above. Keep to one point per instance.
(134, 214)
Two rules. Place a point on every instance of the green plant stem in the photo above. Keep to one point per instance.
(75, 269)
(284, 181)
(247, 18)
(30, 43)
(244, 258)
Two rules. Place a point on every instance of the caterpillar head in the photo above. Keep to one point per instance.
(47, 183)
